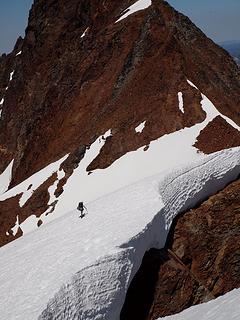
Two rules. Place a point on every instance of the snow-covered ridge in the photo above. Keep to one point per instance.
(71, 268)
(192, 184)
(164, 154)
(226, 307)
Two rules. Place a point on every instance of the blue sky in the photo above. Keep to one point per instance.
(219, 19)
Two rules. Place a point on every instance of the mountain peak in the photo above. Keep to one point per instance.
(127, 108)
(86, 67)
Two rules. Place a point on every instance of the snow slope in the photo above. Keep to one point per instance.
(80, 269)
(226, 307)
(164, 154)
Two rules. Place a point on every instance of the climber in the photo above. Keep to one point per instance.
(82, 208)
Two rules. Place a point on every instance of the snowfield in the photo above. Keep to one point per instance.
(76, 268)
(226, 307)
(163, 155)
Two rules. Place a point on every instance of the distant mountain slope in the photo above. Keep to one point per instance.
(233, 47)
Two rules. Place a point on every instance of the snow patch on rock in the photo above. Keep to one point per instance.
(5, 178)
(211, 110)
(84, 33)
(53, 188)
(3, 99)
(180, 101)
(28, 186)
(192, 84)
(139, 129)
(137, 6)
(11, 76)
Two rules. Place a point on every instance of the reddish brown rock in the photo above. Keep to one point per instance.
(217, 135)
(201, 260)
(120, 73)
(37, 205)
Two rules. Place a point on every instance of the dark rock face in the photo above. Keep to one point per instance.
(200, 261)
(68, 89)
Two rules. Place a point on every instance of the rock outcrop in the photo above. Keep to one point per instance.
(201, 260)
(227, 137)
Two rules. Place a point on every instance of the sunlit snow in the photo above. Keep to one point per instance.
(84, 33)
(11, 75)
(137, 6)
(213, 110)
(192, 84)
(139, 129)
(180, 101)
(164, 154)
(2, 100)
(5, 178)
(52, 189)
(28, 186)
